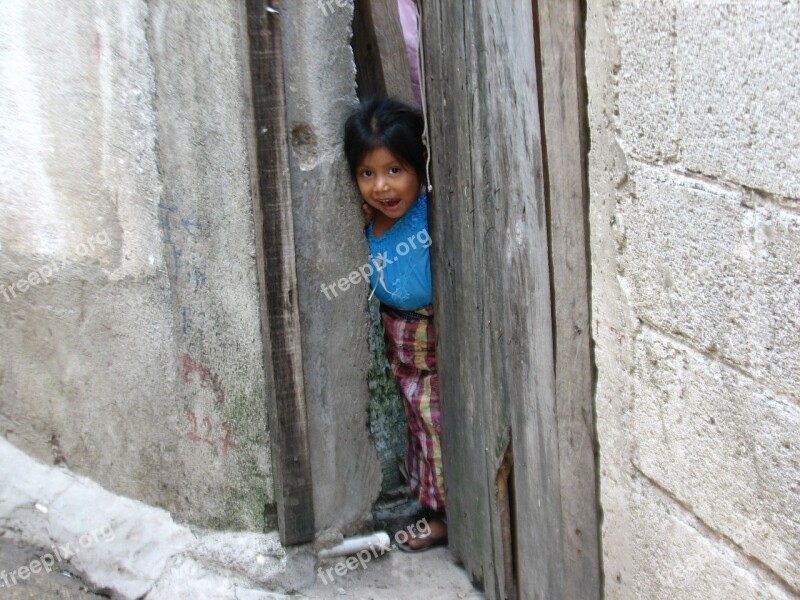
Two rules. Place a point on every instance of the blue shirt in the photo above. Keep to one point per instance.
(401, 259)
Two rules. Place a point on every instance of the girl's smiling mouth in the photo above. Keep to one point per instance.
(390, 203)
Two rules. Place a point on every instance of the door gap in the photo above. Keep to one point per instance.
(504, 483)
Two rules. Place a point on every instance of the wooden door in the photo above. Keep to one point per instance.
(508, 506)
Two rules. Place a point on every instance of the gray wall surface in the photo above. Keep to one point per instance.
(124, 182)
(695, 234)
(330, 244)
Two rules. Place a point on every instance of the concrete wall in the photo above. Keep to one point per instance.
(124, 179)
(695, 234)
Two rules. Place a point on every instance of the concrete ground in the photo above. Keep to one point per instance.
(111, 546)
(400, 576)
(395, 575)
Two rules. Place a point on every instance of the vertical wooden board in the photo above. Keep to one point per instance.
(562, 101)
(494, 400)
(464, 438)
(380, 51)
(280, 320)
(492, 288)
(517, 224)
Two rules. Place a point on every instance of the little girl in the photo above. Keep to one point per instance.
(386, 155)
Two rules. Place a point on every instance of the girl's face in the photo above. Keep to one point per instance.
(386, 183)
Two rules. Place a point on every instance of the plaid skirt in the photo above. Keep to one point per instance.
(410, 348)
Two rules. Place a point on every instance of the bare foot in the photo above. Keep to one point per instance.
(435, 536)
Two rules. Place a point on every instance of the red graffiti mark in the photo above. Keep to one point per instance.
(205, 375)
(619, 335)
(227, 441)
(207, 423)
(195, 436)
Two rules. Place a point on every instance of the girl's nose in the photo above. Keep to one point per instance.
(382, 183)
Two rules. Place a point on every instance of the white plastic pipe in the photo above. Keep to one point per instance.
(378, 540)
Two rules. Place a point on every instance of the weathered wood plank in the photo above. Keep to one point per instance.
(280, 320)
(380, 52)
(469, 494)
(491, 278)
(562, 102)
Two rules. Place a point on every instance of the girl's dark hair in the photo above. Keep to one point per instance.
(385, 122)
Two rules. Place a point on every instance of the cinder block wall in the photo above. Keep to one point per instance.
(695, 236)
(124, 170)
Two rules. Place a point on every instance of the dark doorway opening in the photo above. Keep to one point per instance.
(384, 48)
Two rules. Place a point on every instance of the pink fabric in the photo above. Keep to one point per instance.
(408, 20)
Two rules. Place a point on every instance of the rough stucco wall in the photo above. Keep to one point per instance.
(127, 120)
(320, 89)
(695, 233)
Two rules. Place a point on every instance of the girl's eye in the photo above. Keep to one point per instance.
(394, 170)
(366, 173)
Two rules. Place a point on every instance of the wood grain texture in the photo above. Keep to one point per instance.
(379, 50)
(280, 319)
(562, 102)
(492, 290)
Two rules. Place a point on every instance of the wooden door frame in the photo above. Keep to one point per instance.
(559, 29)
(275, 254)
(274, 232)
(562, 107)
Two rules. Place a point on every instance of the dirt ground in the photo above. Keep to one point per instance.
(58, 584)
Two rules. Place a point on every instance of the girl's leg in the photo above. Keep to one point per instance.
(411, 352)
(420, 392)
(424, 461)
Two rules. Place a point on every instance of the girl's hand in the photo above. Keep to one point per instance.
(368, 212)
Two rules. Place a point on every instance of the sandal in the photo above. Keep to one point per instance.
(435, 541)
